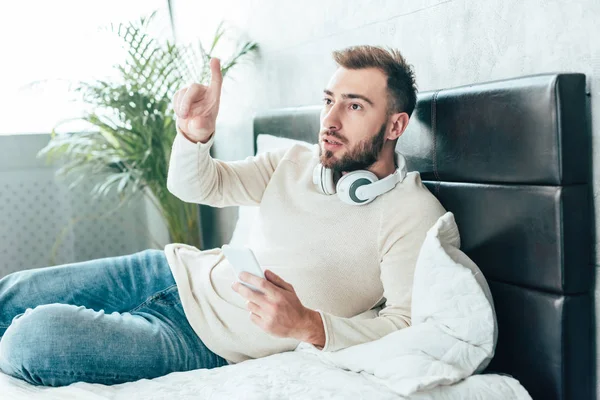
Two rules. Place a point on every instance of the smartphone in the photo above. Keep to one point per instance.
(243, 259)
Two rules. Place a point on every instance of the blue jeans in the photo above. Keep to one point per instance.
(108, 321)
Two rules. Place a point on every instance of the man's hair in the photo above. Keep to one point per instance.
(401, 85)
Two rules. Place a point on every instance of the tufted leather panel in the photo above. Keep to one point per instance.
(543, 340)
(524, 130)
(512, 160)
(518, 234)
(300, 123)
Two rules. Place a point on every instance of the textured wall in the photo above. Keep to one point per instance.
(450, 43)
(36, 208)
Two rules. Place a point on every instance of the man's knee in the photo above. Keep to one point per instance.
(33, 340)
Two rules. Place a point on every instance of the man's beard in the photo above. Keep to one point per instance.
(362, 156)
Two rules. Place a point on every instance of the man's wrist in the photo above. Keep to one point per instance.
(315, 333)
(187, 137)
(196, 141)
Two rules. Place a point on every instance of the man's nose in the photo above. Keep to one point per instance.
(331, 119)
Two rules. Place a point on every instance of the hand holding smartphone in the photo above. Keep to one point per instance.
(243, 259)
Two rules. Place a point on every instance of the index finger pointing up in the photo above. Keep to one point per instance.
(216, 75)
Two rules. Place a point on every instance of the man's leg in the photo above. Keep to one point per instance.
(110, 284)
(66, 320)
(58, 344)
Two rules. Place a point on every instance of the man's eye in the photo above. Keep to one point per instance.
(355, 104)
(326, 100)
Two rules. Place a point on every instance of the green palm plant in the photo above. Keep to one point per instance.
(135, 127)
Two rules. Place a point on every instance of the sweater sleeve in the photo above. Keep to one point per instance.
(401, 238)
(195, 177)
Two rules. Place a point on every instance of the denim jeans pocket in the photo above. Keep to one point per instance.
(169, 296)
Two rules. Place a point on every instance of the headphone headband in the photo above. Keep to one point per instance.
(383, 185)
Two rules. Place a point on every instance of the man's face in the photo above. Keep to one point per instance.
(354, 114)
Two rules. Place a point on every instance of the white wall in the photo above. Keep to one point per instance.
(450, 43)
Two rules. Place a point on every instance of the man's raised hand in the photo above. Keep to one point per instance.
(197, 106)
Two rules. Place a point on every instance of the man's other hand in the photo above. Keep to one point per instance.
(278, 310)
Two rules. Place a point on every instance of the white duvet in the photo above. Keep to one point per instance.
(290, 375)
(452, 339)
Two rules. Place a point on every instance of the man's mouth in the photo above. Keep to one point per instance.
(332, 141)
(330, 145)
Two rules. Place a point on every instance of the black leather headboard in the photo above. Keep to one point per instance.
(512, 160)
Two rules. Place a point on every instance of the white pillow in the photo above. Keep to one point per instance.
(454, 330)
(248, 214)
(447, 271)
(265, 142)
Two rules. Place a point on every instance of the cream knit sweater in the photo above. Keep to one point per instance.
(342, 260)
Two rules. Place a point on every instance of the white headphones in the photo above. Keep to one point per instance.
(358, 187)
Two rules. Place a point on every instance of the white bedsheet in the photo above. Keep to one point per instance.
(289, 375)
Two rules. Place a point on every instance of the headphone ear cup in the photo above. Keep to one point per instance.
(347, 185)
(323, 179)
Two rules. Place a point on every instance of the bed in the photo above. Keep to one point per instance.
(511, 159)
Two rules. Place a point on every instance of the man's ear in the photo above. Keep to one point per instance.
(399, 123)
